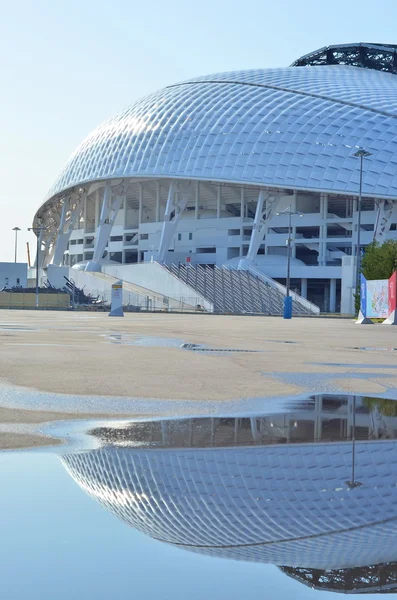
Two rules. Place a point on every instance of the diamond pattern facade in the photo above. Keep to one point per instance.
(291, 127)
(287, 505)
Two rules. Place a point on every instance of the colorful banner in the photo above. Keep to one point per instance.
(377, 299)
(363, 296)
(392, 293)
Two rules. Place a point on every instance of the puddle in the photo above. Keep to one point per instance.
(374, 349)
(354, 365)
(301, 493)
(127, 339)
(159, 342)
(313, 419)
(203, 348)
(16, 328)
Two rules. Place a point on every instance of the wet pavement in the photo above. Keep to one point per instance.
(299, 492)
(193, 457)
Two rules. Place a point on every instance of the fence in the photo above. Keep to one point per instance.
(22, 300)
(133, 301)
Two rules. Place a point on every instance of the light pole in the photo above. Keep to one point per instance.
(16, 229)
(37, 231)
(288, 300)
(361, 154)
(353, 483)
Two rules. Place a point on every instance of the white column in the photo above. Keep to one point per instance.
(140, 204)
(325, 206)
(171, 220)
(97, 201)
(386, 215)
(85, 213)
(242, 203)
(110, 208)
(157, 202)
(304, 288)
(322, 246)
(197, 201)
(61, 243)
(332, 295)
(125, 209)
(218, 202)
(258, 228)
(294, 200)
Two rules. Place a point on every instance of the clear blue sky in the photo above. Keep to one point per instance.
(61, 544)
(66, 66)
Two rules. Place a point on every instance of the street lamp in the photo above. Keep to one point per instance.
(352, 483)
(16, 229)
(37, 231)
(361, 154)
(288, 300)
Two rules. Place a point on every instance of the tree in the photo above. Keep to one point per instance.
(386, 407)
(379, 260)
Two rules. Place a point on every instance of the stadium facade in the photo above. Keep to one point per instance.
(272, 488)
(204, 172)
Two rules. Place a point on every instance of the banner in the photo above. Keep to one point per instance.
(392, 293)
(377, 299)
(363, 296)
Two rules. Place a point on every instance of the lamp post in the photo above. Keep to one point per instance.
(352, 483)
(37, 231)
(16, 229)
(288, 300)
(361, 154)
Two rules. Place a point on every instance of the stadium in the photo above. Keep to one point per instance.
(199, 189)
(272, 489)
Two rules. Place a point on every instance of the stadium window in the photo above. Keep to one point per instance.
(144, 236)
(206, 250)
(179, 237)
(190, 236)
(116, 238)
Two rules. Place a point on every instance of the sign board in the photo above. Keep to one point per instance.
(116, 308)
(378, 299)
(392, 293)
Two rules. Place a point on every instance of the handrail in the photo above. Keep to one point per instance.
(281, 288)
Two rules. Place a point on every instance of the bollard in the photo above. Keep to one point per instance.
(116, 309)
(287, 307)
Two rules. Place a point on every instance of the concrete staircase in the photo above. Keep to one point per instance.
(240, 291)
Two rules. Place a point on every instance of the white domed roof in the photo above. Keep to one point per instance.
(287, 505)
(293, 127)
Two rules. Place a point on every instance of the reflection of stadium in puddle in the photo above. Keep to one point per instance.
(271, 488)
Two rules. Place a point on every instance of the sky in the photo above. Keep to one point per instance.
(62, 544)
(67, 66)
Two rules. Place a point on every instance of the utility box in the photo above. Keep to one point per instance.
(13, 275)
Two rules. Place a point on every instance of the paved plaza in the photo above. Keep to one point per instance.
(44, 354)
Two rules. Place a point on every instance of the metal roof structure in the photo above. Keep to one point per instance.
(371, 579)
(284, 504)
(290, 128)
(381, 57)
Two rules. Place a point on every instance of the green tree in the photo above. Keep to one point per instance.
(378, 262)
(387, 408)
